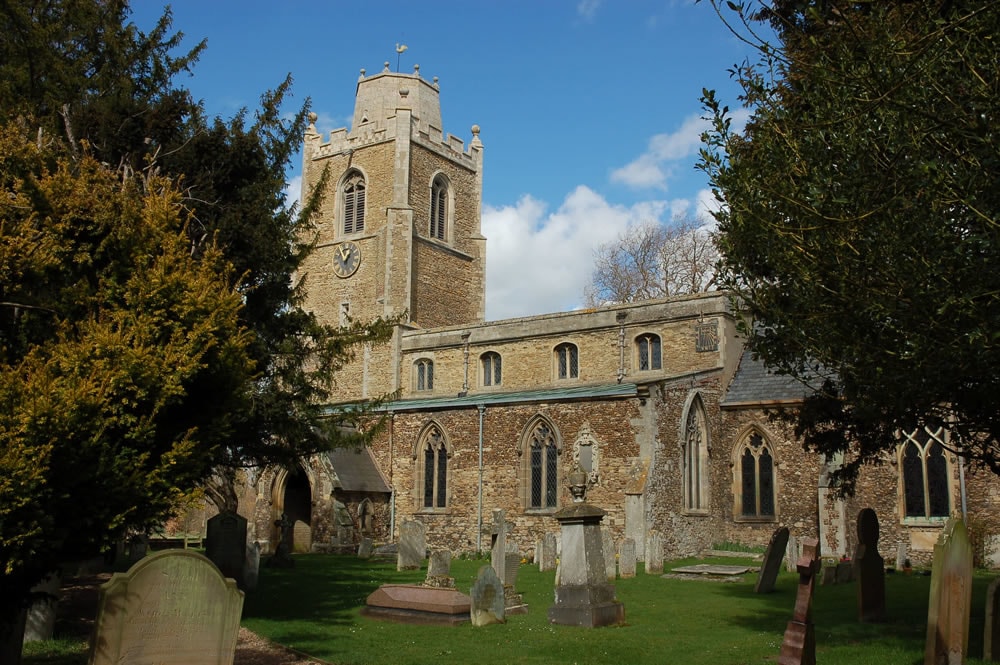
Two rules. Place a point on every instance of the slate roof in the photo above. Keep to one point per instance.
(755, 385)
(356, 470)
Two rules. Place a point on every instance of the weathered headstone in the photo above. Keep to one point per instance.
(654, 554)
(773, 556)
(514, 601)
(226, 544)
(901, 556)
(547, 561)
(845, 572)
(251, 571)
(282, 557)
(799, 644)
(991, 634)
(626, 559)
(171, 608)
(301, 537)
(610, 560)
(950, 597)
(412, 545)
(439, 570)
(791, 554)
(365, 548)
(537, 554)
(498, 551)
(870, 568)
(41, 618)
(487, 598)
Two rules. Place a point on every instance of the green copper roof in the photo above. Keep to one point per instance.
(605, 391)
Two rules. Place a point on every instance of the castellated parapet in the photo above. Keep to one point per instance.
(378, 102)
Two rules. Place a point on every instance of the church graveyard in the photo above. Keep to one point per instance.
(668, 620)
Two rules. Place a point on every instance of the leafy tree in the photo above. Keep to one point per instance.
(122, 357)
(653, 260)
(99, 98)
(859, 227)
(93, 78)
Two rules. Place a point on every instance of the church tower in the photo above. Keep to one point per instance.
(399, 232)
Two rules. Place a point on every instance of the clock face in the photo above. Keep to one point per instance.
(346, 259)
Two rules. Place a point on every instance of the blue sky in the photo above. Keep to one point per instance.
(589, 109)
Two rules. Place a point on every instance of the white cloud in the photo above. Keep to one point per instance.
(538, 262)
(588, 8)
(651, 169)
(293, 190)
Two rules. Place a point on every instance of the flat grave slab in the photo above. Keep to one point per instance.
(711, 569)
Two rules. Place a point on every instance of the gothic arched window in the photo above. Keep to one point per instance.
(540, 466)
(754, 468)
(924, 469)
(353, 206)
(439, 208)
(432, 468)
(696, 494)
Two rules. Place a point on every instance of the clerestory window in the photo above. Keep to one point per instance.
(567, 361)
(424, 369)
(648, 349)
(491, 368)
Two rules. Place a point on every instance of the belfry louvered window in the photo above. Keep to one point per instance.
(354, 203)
(439, 208)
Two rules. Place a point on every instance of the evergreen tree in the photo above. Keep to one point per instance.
(859, 227)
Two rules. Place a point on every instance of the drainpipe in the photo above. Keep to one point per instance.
(620, 317)
(392, 485)
(479, 521)
(465, 384)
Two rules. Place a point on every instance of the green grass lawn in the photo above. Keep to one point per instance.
(315, 608)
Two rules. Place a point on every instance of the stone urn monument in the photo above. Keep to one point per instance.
(583, 596)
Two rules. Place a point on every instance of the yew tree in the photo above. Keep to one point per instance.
(122, 356)
(88, 75)
(859, 227)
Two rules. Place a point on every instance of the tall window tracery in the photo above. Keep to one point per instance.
(755, 478)
(433, 461)
(541, 467)
(925, 477)
(696, 495)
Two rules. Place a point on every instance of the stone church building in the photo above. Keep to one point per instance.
(655, 401)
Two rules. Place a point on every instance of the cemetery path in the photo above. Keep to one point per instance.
(77, 611)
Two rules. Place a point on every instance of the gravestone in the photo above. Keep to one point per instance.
(40, 621)
(301, 537)
(412, 545)
(626, 559)
(537, 554)
(226, 544)
(282, 557)
(583, 596)
(171, 608)
(654, 554)
(950, 597)
(791, 554)
(773, 557)
(365, 548)
(498, 550)
(439, 570)
(901, 556)
(487, 598)
(251, 571)
(513, 600)
(610, 560)
(547, 560)
(799, 644)
(991, 634)
(870, 568)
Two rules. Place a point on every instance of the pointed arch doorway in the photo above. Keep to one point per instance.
(292, 495)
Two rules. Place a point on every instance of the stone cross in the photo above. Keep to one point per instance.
(950, 597)
(283, 552)
(799, 644)
(773, 557)
(870, 568)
